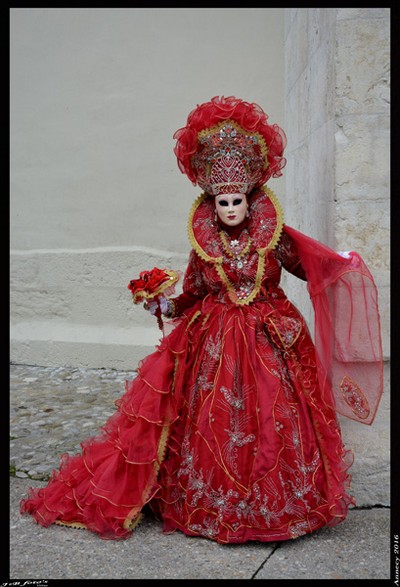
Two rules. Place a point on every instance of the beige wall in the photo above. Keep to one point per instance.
(96, 194)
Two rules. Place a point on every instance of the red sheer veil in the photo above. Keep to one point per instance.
(347, 328)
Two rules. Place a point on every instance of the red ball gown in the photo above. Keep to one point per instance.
(229, 431)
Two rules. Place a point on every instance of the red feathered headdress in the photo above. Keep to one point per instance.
(228, 146)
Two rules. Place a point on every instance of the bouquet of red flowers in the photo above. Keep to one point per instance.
(151, 284)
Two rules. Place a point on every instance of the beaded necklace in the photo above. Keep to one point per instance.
(235, 248)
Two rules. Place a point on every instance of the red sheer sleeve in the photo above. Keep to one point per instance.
(193, 286)
(347, 327)
(286, 253)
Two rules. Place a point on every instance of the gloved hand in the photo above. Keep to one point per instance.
(152, 305)
(354, 258)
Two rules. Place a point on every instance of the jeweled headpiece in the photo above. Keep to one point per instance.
(227, 146)
(229, 159)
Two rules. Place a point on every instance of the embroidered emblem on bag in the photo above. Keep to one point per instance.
(354, 397)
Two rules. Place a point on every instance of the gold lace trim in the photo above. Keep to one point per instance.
(173, 312)
(132, 519)
(79, 525)
(192, 239)
(257, 284)
(279, 218)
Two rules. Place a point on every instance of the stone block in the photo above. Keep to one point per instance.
(363, 65)
(365, 229)
(362, 157)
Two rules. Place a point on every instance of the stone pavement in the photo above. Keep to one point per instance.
(52, 409)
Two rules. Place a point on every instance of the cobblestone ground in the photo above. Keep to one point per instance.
(53, 409)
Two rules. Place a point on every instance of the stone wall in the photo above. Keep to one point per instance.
(337, 176)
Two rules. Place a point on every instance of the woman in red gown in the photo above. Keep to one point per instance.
(230, 429)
